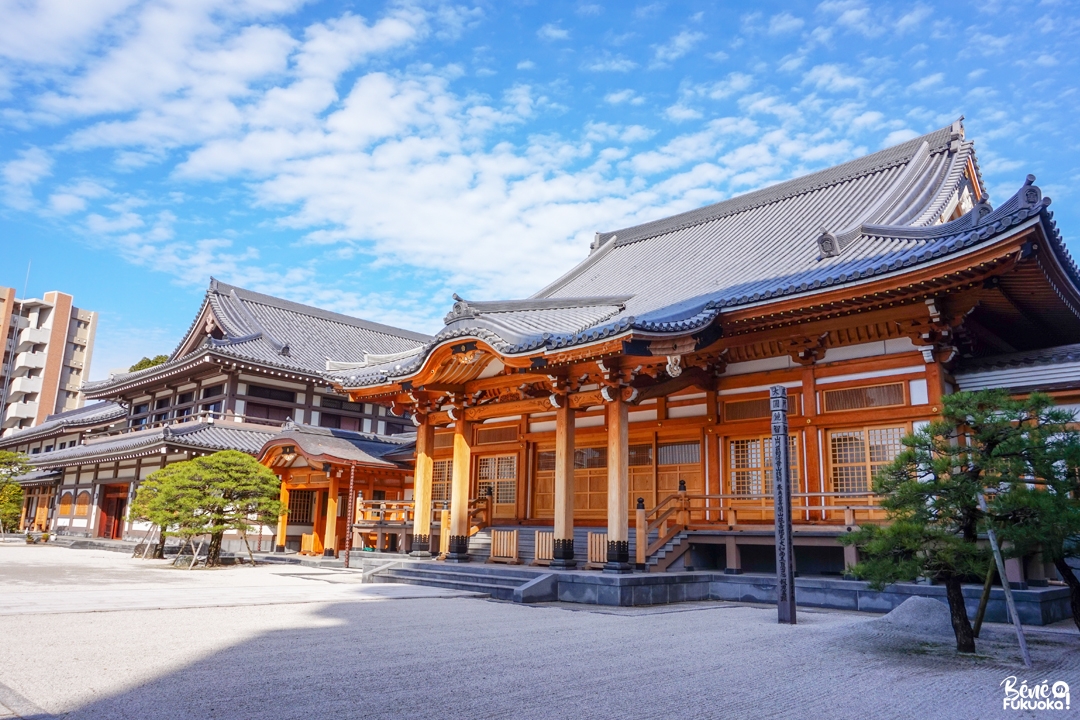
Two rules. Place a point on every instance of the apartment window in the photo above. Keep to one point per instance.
(141, 409)
(441, 473)
(857, 455)
(750, 460)
(182, 412)
(35, 451)
(268, 393)
(301, 506)
(212, 407)
(162, 403)
(213, 391)
(161, 417)
(63, 445)
(392, 429)
(185, 398)
(48, 448)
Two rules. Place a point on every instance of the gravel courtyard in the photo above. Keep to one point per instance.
(88, 634)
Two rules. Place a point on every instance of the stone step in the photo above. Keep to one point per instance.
(499, 592)
(455, 576)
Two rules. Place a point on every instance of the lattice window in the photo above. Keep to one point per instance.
(856, 456)
(301, 506)
(756, 408)
(857, 398)
(751, 465)
(441, 472)
(490, 436)
(640, 455)
(82, 504)
(590, 458)
(679, 453)
(498, 473)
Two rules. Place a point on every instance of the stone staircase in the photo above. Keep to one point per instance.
(496, 581)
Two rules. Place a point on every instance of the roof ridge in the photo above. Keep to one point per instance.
(242, 294)
(826, 177)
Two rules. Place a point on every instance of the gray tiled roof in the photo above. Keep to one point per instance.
(1046, 356)
(88, 416)
(193, 435)
(678, 274)
(269, 331)
(367, 448)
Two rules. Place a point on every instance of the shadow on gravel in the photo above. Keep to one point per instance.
(459, 658)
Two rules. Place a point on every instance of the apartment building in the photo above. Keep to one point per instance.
(48, 344)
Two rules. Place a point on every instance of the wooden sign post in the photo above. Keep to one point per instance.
(785, 562)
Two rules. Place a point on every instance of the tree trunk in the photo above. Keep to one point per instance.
(159, 549)
(213, 553)
(965, 638)
(1073, 582)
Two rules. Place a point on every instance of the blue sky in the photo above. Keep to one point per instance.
(373, 158)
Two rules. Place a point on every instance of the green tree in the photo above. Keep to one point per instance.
(1038, 512)
(148, 362)
(931, 495)
(228, 490)
(12, 465)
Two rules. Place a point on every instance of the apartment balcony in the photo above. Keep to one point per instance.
(22, 386)
(19, 411)
(30, 360)
(32, 336)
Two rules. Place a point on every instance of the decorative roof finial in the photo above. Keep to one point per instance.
(827, 246)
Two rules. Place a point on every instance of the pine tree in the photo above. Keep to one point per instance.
(1038, 511)
(228, 490)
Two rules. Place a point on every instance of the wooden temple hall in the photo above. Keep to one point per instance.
(619, 416)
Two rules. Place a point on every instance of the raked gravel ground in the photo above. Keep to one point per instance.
(96, 635)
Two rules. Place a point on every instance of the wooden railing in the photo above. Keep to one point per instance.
(385, 512)
(683, 511)
(597, 550)
(310, 545)
(544, 544)
(504, 547)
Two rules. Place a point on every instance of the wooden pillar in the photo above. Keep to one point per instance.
(330, 534)
(734, 557)
(563, 555)
(459, 493)
(283, 519)
(618, 487)
(422, 481)
(811, 466)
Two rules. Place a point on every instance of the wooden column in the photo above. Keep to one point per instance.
(618, 487)
(812, 470)
(283, 519)
(422, 481)
(459, 493)
(563, 554)
(330, 534)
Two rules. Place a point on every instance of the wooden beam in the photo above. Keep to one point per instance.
(690, 377)
(422, 482)
(618, 488)
(459, 492)
(564, 487)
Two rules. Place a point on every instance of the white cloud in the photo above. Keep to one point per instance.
(785, 23)
(898, 136)
(620, 97)
(589, 9)
(609, 63)
(676, 47)
(551, 32)
(832, 78)
(913, 19)
(526, 65)
(680, 113)
(927, 82)
(19, 176)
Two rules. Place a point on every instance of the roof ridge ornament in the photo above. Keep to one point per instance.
(461, 310)
(827, 244)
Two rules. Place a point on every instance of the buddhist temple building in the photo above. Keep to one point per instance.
(248, 364)
(620, 415)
